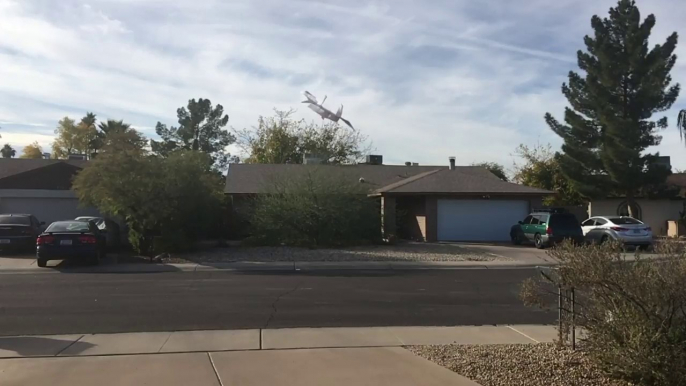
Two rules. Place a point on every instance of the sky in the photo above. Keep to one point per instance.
(423, 80)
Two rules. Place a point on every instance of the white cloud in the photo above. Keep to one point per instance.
(424, 80)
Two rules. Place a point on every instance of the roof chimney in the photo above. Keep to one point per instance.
(415, 163)
(408, 163)
(452, 163)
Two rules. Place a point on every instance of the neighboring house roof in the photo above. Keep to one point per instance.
(381, 179)
(13, 166)
(677, 179)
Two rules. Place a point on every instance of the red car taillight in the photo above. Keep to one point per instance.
(44, 240)
(87, 240)
(619, 229)
(549, 231)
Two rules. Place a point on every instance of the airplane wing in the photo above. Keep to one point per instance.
(310, 98)
(347, 122)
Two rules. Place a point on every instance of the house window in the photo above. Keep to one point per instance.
(623, 210)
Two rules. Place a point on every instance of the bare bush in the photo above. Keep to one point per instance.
(632, 311)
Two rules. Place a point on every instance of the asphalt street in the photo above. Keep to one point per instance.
(62, 303)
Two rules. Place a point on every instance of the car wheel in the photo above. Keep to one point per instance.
(603, 240)
(538, 241)
(516, 240)
(41, 262)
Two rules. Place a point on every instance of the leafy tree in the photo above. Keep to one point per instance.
(7, 151)
(201, 128)
(281, 139)
(495, 168)
(176, 198)
(541, 169)
(87, 134)
(73, 138)
(33, 150)
(609, 126)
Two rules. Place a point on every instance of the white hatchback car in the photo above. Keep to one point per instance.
(628, 230)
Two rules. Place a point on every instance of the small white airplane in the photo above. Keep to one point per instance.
(323, 112)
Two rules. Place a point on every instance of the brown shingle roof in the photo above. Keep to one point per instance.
(255, 178)
(458, 182)
(13, 166)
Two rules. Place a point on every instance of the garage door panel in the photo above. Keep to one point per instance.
(479, 220)
(46, 209)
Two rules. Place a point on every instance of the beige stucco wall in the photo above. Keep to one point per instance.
(655, 213)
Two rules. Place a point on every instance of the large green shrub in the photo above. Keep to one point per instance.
(315, 209)
(632, 311)
(175, 199)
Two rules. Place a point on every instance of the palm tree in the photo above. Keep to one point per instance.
(112, 126)
(7, 151)
(681, 123)
(107, 128)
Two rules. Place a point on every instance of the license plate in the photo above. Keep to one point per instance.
(637, 231)
(65, 242)
(4, 241)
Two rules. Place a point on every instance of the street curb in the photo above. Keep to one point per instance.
(299, 267)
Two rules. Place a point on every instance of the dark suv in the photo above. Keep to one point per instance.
(545, 227)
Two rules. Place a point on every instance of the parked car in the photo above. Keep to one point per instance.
(19, 230)
(71, 239)
(108, 227)
(628, 230)
(546, 227)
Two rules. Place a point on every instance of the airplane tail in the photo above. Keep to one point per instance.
(339, 113)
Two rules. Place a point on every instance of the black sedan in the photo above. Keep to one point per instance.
(71, 239)
(18, 230)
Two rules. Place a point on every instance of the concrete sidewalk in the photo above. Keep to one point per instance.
(264, 339)
(303, 356)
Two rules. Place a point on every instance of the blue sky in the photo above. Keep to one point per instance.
(424, 80)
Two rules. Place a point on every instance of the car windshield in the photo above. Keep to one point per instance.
(564, 221)
(624, 220)
(15, 220)
(68, 226)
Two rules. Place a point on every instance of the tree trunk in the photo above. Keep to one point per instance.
(631, 204)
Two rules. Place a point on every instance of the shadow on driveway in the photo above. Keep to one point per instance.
(38, 346)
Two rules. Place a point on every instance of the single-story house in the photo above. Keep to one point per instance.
(41, 187)
(436, 203)
(656, 212)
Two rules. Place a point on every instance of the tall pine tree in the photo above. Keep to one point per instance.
(609, 125)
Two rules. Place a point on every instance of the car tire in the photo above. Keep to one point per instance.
(604, 239)
(516, 240)
(41, 262)
(538, 241)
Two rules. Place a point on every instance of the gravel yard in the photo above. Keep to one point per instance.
(401, 252)
(517, 365)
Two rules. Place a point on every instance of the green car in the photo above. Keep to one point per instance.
(547, 227)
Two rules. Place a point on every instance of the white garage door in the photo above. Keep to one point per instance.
(46, 209)
(479, 220)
